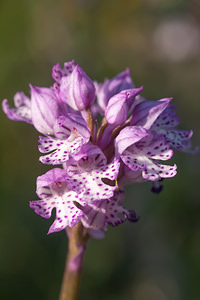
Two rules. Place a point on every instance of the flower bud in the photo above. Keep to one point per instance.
(113, 86)
(118, 106)
(77, 90)
(44, 109)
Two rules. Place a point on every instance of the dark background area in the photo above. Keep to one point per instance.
(157, 258)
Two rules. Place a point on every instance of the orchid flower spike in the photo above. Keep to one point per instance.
(97, 137)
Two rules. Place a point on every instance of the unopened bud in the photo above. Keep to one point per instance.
(77, 90)
(44, 109)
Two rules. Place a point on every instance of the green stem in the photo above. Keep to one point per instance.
(78, 238)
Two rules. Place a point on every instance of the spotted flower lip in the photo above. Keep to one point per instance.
(144, 155)
(71, 132)
(92, 175)
(166, 125)
(54, 192)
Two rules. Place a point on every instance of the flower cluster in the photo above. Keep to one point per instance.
(99, 137)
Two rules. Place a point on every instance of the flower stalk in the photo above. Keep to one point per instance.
(77, 242)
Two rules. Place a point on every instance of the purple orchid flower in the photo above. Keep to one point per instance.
(129, 144)
(90, 172)
(54, 191)
(71, 132)
(60, 189)
(41, 110)
(143, 153)
(111, 87)
(99, 214)
(166, 125)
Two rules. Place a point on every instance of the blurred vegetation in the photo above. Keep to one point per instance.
(157, 258)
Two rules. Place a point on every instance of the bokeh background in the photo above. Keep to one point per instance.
(159, 257)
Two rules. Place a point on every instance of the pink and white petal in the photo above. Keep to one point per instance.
(55, 158)
(134, 161)
(168, 119)
(179, 139)
(110, 171)
(64, 148)
(91, 182)
(158, 150)
(91, 185)
(43, 207)
(48, 143)
(151, 170)
(67, 213)
(154, 171)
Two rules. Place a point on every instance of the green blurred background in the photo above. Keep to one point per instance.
(159, 257)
